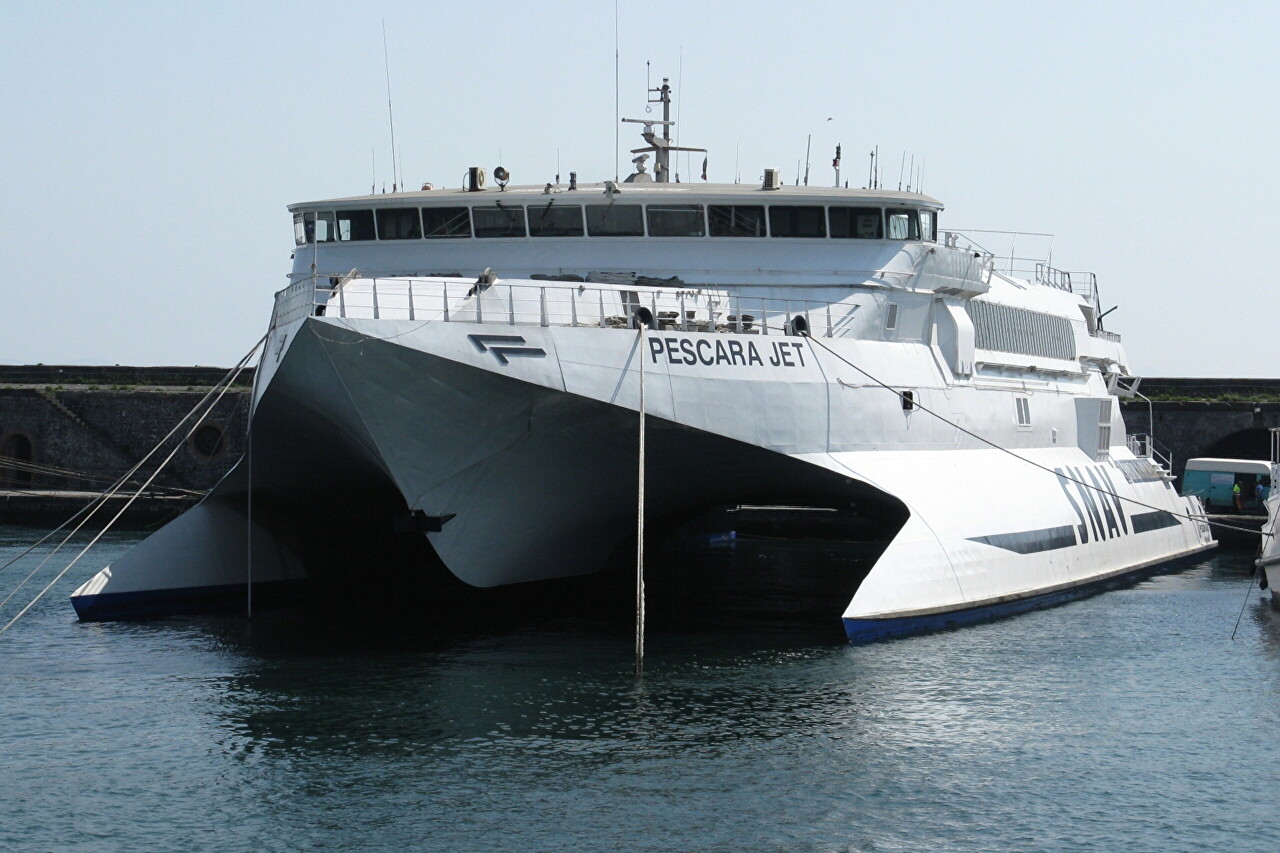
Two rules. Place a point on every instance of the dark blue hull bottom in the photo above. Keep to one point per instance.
(156, 603)
(871, 630)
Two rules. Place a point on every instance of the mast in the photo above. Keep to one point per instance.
(662, 157)
(660, 146)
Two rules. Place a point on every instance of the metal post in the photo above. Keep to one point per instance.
(573, 308)
(375, 300)
(445, 298)
(542, 307)
(511, 305)
(640, 353)
(411, 317)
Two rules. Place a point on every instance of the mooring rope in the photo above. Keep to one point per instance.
(12, 464)
(124, 479)
(101, 500)
(916, 404)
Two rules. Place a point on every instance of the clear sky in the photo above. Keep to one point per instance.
(149, 149)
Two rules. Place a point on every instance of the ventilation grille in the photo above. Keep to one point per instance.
(1006, 329)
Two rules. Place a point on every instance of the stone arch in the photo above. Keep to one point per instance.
(17, 446)
(207, 441)
(1243, 444)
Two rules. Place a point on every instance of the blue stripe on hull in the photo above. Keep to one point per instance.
(155, 603)
(870, 630)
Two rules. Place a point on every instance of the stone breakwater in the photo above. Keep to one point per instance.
(67, 432)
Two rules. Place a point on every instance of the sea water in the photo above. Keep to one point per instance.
(1127, 721)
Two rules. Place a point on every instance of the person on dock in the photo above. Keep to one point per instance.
(1235, 493)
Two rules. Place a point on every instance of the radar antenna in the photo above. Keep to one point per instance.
(660, 146)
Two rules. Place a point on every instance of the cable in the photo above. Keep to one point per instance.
(916, 404)
(102, 499)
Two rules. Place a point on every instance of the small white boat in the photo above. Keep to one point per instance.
(1269, 557)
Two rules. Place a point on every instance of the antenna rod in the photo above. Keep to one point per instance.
(617, 104)
(386, 64)
(901, 168)
(807, 147)
(912, 173)
(836, 164)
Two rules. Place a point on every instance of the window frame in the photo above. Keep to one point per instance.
(350, 219)
(664, 207)
(446, 236)
(381, 213)
(511, 212)
(879, 211)
(586, 216)
(913, 223)
(821, 208)
(549, 207)
(763, 223)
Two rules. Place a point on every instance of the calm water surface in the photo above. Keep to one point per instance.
(1128, 721)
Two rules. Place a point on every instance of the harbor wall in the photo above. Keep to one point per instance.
(80, 428)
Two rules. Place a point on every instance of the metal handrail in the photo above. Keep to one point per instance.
(1145, 445)
(559, 304)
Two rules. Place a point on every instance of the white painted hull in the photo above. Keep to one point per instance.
(1269, 555)
(527, 464)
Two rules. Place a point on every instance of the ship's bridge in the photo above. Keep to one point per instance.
(696, 233)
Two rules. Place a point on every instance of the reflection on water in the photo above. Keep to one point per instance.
(1126, 721)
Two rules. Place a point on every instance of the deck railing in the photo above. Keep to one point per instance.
(1145, 445)
(561, 304)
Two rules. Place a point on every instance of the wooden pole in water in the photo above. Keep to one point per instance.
(640, 520)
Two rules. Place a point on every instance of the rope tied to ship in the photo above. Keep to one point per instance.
(1093, 487)
(220, 389)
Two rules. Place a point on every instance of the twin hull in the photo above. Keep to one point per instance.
(516, 447)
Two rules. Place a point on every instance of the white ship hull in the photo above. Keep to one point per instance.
(1269, 555)
(516, 448)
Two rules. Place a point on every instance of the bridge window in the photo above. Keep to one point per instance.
(615, 220)
(928, 226)
(797, 221)
(399, 223)
(555, 220)
(736, 220)
(355, 225)
(676, 220)
(309, 227)
(498, 221)
(858, 223)
(438, 222)
(903, 225)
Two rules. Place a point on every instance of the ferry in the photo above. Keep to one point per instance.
(472, 366)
